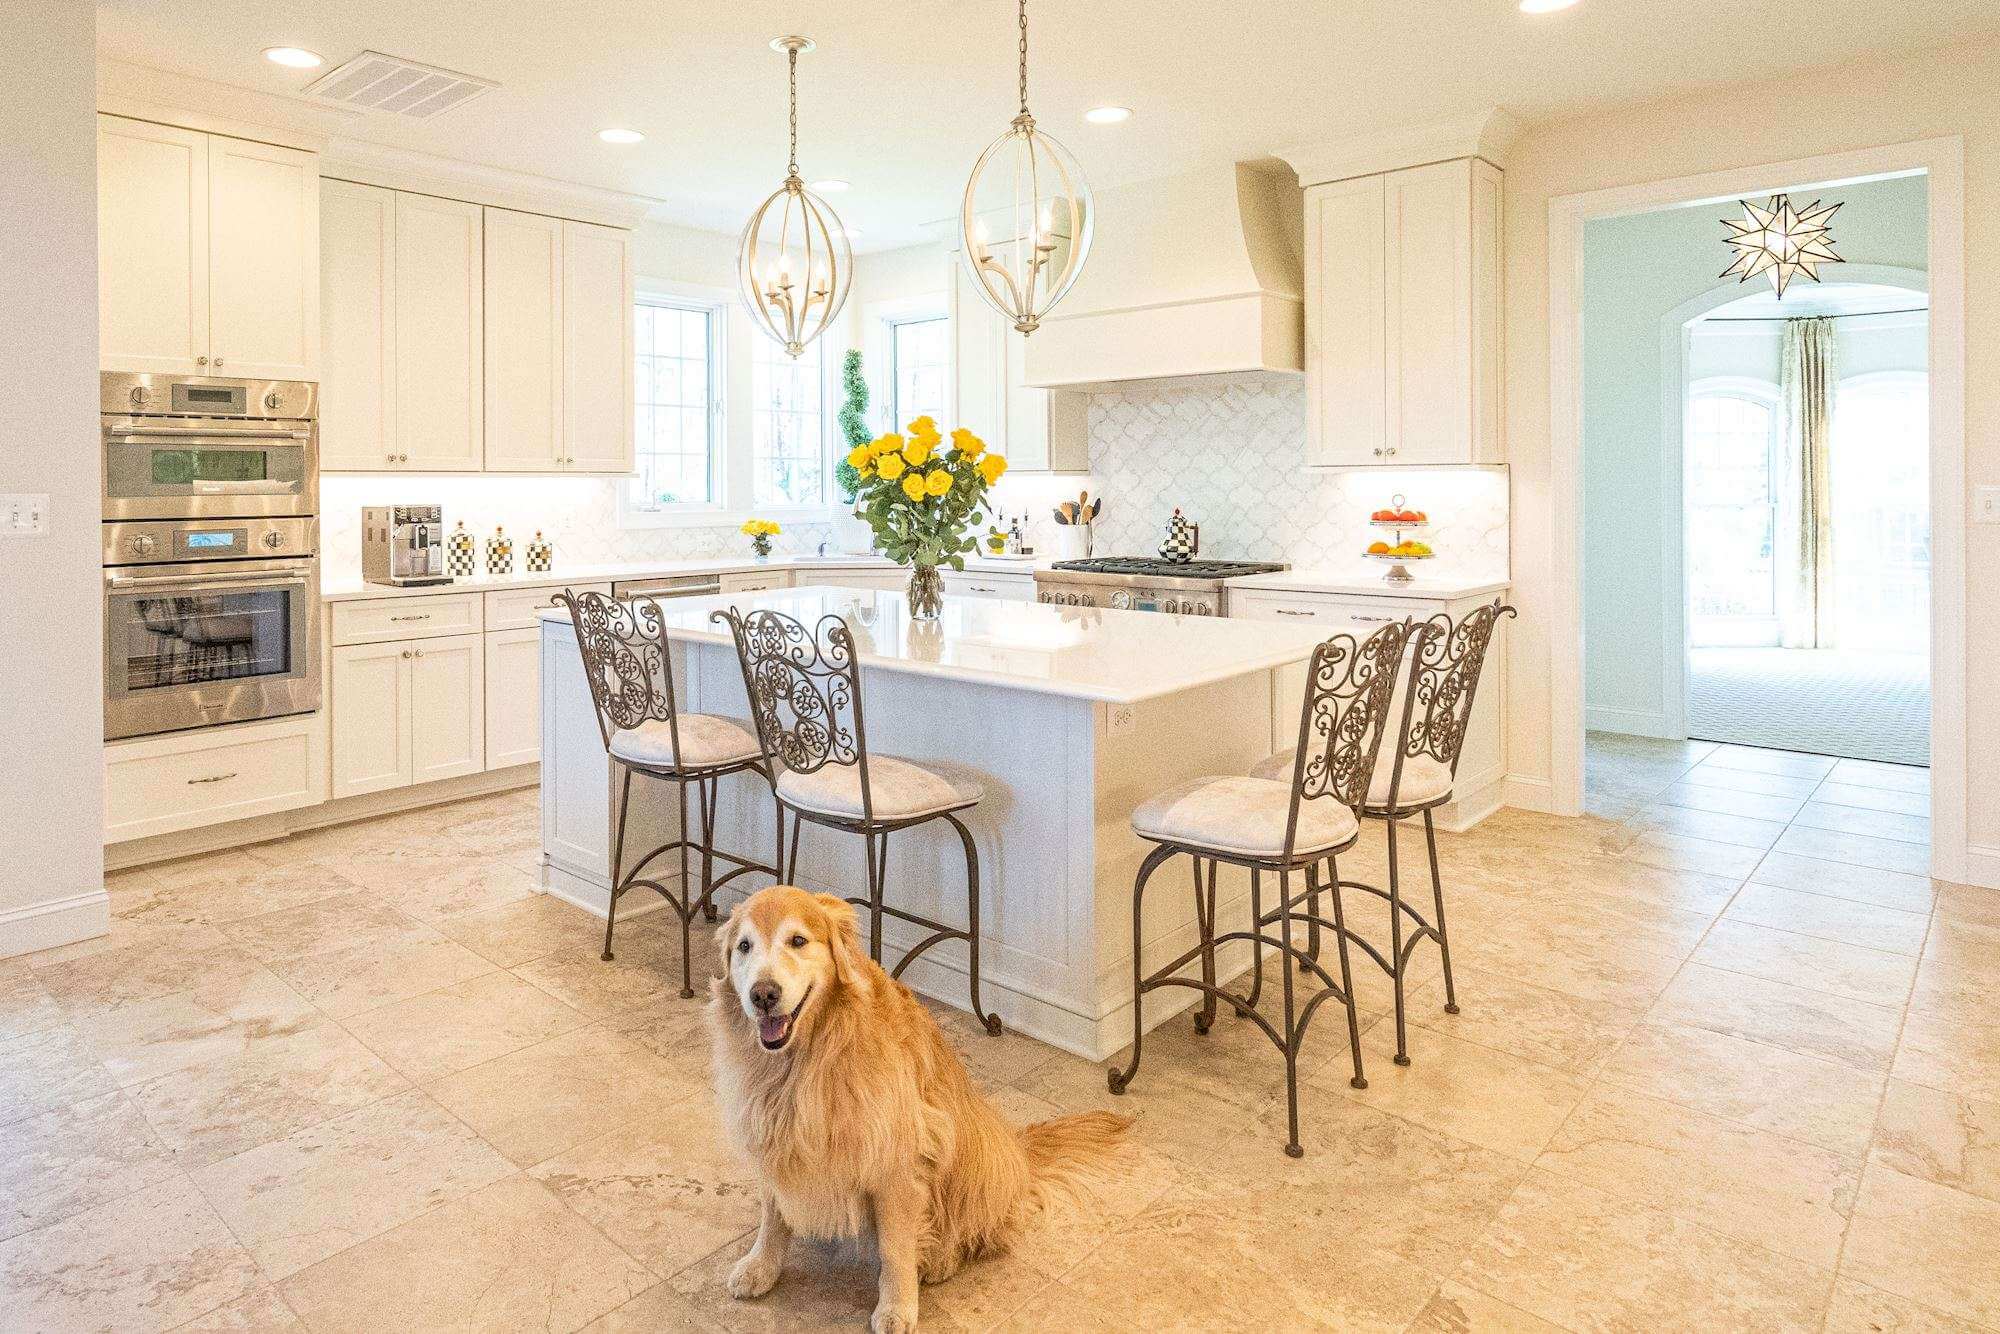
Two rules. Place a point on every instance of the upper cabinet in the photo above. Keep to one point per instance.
(208, 251)
(472, 339)
(1038, 430)
(1403, 317)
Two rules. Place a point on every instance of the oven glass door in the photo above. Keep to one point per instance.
(162, 473)
(187, 650)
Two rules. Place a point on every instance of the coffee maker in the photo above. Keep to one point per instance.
(403, 545)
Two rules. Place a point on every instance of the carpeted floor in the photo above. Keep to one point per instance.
(1864, 706)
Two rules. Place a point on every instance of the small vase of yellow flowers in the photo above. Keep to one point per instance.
(760, 532)
(925, 500)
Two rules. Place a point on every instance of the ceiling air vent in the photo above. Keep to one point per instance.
(375, 82)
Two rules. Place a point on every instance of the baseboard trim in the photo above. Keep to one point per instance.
(1528, 794)
(1982, 865)
(44, 926)
(1470, 808)
(1629, 722)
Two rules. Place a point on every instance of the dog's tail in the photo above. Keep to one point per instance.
(1070, 1151)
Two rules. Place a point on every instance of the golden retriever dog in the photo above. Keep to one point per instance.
(856, 1113)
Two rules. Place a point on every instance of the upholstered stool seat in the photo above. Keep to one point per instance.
(707, 740)
(900, 789)
(1242, 816)
(1425, 779)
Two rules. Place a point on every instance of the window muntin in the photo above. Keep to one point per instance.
(919, 368)
(677, 419)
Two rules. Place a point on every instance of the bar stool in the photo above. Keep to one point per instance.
(630, 668)
(1282, 827)
(1444, 666)
(805, 694)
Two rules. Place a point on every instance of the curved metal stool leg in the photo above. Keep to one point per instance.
(1120, 1080)
(1204, 924)
(1402, 1056)
(617, 858)
(1437, 898)
(991, 1022)
(1346, 973)
(1293, 1149)
(1257, 938)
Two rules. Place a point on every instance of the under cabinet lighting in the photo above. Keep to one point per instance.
(293, 57)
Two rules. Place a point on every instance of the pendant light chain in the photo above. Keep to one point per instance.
(792, 162)
(1024, 56)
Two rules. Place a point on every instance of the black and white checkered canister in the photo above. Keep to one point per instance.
(461, 553)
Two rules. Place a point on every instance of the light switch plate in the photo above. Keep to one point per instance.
(24, 514)
(1986, 504)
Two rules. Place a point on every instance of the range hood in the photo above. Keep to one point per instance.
(1193, 275)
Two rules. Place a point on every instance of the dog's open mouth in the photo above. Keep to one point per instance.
(775, 1030)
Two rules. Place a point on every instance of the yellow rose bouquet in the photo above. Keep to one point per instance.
(760, 532)
(925, 499)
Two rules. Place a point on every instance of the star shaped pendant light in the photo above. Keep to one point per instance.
(1782, 241)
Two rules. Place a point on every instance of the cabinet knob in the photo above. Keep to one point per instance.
(218, 363)
(203, 361)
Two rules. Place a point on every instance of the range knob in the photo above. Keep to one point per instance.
(271, 401)
(274, 539)
(138, 397)
(143, 545)
(1122, 601)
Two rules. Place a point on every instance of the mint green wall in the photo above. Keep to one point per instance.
(1636, 271)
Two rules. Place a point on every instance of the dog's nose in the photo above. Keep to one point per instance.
(765, 996)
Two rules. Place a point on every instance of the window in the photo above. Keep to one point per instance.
(1731, 445)
(788, 424)
(677, 420)
(1881, 512)
(919, 364)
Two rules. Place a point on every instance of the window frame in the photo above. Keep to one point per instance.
(706, 302)
(893, 337)
(879, 320)
(829, 351)
(1765, 394)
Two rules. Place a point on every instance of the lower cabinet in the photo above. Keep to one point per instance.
(182, 780)
(995, 587)
(892, 581)
(513, 697)
(407, 711)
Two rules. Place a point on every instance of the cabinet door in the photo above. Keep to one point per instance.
(357, 264)
(513, 696)
(597, 348)
(1345, 383)
(978, 363)
(152, 247)
(370, 689)
(1027, 439)
(263, 260)
(447, 707)
(439, 326)
(524, 341)
(1428, 314)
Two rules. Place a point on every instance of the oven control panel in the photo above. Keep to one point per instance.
(1128, 599)
(182, 541)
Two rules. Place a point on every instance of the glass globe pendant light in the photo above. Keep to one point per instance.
(1026, 218)
(794, 264)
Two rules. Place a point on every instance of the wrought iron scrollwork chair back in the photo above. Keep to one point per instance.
(1284, 827)
(805, 696)
(629, 664)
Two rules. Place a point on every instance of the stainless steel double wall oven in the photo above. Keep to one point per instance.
(211, 551)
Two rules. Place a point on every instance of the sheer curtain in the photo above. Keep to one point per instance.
(1805, 492)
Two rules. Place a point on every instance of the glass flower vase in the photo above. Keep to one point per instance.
(926, 592)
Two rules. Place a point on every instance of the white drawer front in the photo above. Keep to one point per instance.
(757, 583)
(521, 608)
(380, 620)
(157, 785)
(1353, 615)
(995, 587)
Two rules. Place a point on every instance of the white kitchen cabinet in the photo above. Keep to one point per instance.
(762, 581)
(894, 580)
(183, 780)
(596, 349)
(357, 397)
(440, 365)
(1038, 430)
(1403, 317)
(208, 252)
(513, 697)
(1481, 764)
(407, 711)
(994, 587)
(524, 341)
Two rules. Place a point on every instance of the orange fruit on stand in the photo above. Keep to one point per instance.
(1378, 548)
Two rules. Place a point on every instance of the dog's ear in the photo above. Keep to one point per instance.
(843, 939)
(725, 935)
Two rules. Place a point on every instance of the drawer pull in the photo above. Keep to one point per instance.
(212, 778)
(981, 588)
(1288, 611)
(1372, 620)
(425, 617)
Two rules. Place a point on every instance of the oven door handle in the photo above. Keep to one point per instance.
(275, 579)
(119, 431)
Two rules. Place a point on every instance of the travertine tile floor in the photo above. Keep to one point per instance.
(1727, 1060)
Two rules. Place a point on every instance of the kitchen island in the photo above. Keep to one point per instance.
(1070, 716)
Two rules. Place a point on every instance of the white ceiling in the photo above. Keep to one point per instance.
(902, 94)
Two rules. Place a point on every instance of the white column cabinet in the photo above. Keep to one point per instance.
(1403, 317)
(357, 399)
(596, 349)
(208, 253)
(524, 341)
(440, 360)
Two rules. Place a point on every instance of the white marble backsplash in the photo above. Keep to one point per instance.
(1231, 455)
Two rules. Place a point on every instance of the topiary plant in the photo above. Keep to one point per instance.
(853, 418)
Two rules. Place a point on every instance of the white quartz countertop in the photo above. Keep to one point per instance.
(1363, 583)
(348, 587)
(1094, 653)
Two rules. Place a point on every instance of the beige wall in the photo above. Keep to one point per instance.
(51, 697)
(1955, 92)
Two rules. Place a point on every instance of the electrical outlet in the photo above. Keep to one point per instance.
(1986, 504)
(24, 514)
(1121, 719)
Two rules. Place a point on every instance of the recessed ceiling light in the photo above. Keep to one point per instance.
(1107, 115)
(620, 136)
(828, 187)
(1544, 6)
(293, 57)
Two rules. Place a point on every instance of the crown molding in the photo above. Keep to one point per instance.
(428, 173)
(1488, 134)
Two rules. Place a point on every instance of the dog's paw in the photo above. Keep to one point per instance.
(753, 1276)
(893, 1320)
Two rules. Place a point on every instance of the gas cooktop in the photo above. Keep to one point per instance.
(1152, 567)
